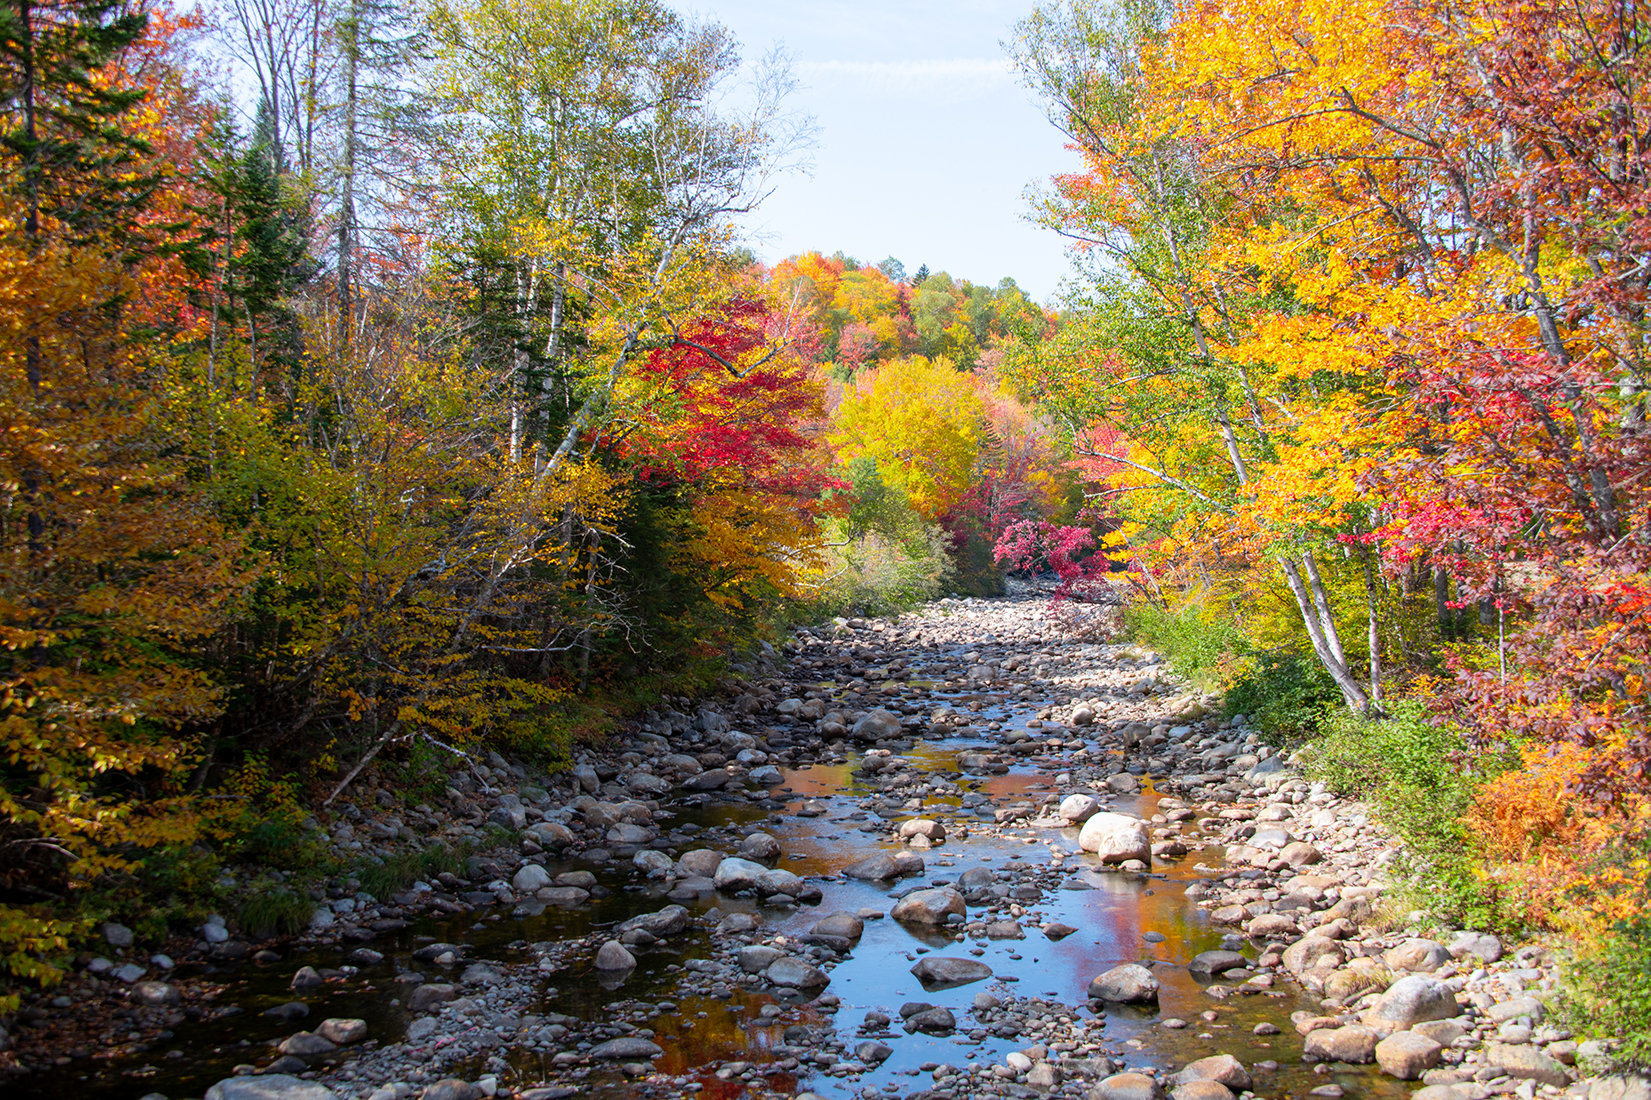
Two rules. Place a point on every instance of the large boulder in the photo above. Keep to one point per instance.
(1130, 984)
(1128, 1086)
(795, 974)
(1116, 837)
(627, 1048)
(1524, 1062)
(1078, 808)
(531, 877)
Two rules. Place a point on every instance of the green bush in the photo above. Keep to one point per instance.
(1606, 993)
(1421, 780)
(1199, 645)
(1287, 695)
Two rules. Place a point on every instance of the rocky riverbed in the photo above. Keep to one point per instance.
(971, 852)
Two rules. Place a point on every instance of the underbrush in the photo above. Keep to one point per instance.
(1203, 647)
(1287, 696)
(1422, 781)
(881, 574)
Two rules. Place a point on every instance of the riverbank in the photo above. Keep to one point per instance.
(731, 900)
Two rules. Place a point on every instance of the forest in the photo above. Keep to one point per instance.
(386, 383)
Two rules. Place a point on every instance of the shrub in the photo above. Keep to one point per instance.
(1201, 646)
(1422, 781)
(1606, 992)
(1286, 694)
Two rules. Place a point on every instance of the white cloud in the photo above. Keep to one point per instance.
(950, 74)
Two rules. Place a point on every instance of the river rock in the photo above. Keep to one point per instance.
(1353, 1044)
(342, 1030)
(306, 1044)
(1202, 1090)
(929, 906)
(760, 846)
(1272, 926)
(1210, 964)
(626, 1048)
(877, 725)
(735, 875)
(1417, 955)
(877, 867)
(451, 1088)
(614, 956)
(1078, 808)
(1222, 1068)
(1528, 1007)
(840, 925)
(531, 877)
(1411, 1000)
(1116, 838)
(428, 996)
(926, 827)
(1524, 1062)
(117, 935)
(700, 863)
(778, 880)
(932, 1021)
(1128, 1086)
(157, 993)
(269, 1086)
(940, 970)
(1130, 984)
(1313, 953)
(1619, 1088)
(1481, 945)
(669, 921)
(795, 974)
(873, 1053)
(754, 958)
(1407, 1055)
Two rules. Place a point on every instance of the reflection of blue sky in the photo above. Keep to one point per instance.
(927, 142)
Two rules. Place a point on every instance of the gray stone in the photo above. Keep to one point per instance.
(1619, 1088)
(929, 906)
(451, 1088)
(1078, 808)
(1116, 838)
(117, 935)
(1130, 984)
(157, 993)
(1353, 1044)
(1127, 1086)
(130, 973)
(306, 977)
(873, 1053)
(795, 974)
(613, 956)
(626, 1048)
(842, 925)
(531, 877)
(342, 1030)
(926, 827)
(1411, 1000)
(1209, 964)
(1527, 1063)
(754, 958)
(1407, 1055)
(1202, 1090)
(1222, 1068)
(1515, 1008)
(269, 1086)
(306, 1044)
(877, 867)
(669, 921)
(779, 881)
(1417, 955)
(939, 970)
(700, 863)
(877, 725)
(1481, 945)
(429, 995)
(735, 875)
(760, 846)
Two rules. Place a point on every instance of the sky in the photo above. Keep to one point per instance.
(926, 141)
